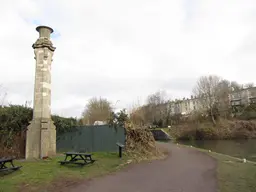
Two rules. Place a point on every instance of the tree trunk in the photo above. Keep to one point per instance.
(213, 120)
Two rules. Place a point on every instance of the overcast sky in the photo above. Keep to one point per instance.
(126, 49)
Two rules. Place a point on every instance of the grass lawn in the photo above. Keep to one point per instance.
(235, 176)
(43, 174)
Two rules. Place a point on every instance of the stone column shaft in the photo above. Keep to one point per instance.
(41, 133)
(42, 96)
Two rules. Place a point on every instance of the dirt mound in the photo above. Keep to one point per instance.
(141, 145)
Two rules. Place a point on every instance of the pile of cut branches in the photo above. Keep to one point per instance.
(141, 145)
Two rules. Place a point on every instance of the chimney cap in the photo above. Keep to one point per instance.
(43, 26)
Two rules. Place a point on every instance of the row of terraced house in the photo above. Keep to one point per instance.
(236, 98)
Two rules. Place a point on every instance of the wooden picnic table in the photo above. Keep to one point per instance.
(74, 157)
(5, 167)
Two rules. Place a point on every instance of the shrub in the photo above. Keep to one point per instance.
(249, 112)
(14, 120)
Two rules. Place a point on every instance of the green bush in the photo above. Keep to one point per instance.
(64, 124)
(14, 119)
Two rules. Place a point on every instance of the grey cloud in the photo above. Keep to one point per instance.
(248, 45)
(170, 42)
(180, 84)
(22, 88)
(100, 86)
(74, 111)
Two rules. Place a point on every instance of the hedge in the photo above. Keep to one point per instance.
(14, 119)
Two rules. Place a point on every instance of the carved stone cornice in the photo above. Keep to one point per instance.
(43, 42)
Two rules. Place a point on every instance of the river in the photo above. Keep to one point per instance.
(236, 148)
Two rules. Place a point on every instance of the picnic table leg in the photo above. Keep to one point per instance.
(3, 165)
(12, 163)
(73, 158)
(90, 158)
(66, 158)
(83, 158)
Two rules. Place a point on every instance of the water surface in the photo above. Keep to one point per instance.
(236, 148)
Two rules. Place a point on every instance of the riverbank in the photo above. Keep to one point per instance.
(245, 148)
(233, 175)
(224, 130)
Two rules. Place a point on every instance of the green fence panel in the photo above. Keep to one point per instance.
(91, 139)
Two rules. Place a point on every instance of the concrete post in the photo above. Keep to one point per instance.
(41, 133)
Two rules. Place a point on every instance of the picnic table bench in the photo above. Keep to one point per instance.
(74, 157)
(5, 161)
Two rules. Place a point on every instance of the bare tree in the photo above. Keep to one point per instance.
(97, 110)
(137, 113)
(222, 98)
(3, 95)
(249, 85)
(236, 86)
(156, 98)
(137, 116)
(167, 111)
(156, 107)
(206, 91)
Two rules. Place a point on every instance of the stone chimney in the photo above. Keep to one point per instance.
(41, 133)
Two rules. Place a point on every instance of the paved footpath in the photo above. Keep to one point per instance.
(184, 170)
